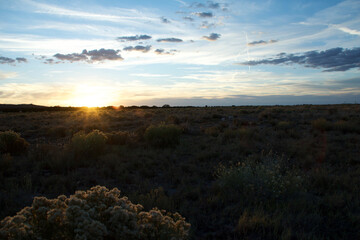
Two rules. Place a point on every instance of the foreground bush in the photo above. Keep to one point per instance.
(11, 142)
(91, 144)
(97, 213)
(162, 135)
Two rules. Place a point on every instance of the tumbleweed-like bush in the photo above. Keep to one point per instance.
(97, 213)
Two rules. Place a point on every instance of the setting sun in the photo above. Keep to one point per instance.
(90, 96)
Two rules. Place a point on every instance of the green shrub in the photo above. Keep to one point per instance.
(162, 135)
(97, 213)
(11, 142)
(91, 144)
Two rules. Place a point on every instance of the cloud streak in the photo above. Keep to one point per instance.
(333, 60)
(349, 31)
(169, 40)
(133, 38)
(261, 42)
(90, 56)
(204, 14)
(129, 15)
(161, 51)
(138, 48)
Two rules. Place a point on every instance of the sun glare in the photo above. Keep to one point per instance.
(89, 96)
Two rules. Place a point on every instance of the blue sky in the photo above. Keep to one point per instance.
(177, 52)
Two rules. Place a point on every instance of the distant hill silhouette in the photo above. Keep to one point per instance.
(30, 108)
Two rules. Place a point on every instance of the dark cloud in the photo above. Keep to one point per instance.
(169, 40)
(21, 60)
(161, 51)
(133, 38)
(204, 14)
(103, 54)
(261, 42)
(334, 59)
(188, 19)
(6, 60)
(165, 20)
(138, 48)
(72, 57)
(90, 56)
(212, 37)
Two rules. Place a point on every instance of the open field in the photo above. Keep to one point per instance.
(252, 172)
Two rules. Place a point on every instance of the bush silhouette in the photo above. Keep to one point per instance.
(97, 213)
(163, 135)
(11, 142)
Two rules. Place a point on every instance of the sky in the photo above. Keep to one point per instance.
(179, 52)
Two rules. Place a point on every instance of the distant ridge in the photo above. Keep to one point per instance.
(21, 107)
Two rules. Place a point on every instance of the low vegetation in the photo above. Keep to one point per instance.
(255, 172)
(98, 213)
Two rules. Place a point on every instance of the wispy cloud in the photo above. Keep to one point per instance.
(335, 59)
(128, 14)
(165, 20)
(161, 51)
(133, 38)
(349, 31)
(206, 24)
(149, 75)
(209, 4)
(261, 42)
(188, 19)
(138, 48)
(6, 75)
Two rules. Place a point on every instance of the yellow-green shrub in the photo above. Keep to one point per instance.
(91, 144)
(97, 213)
